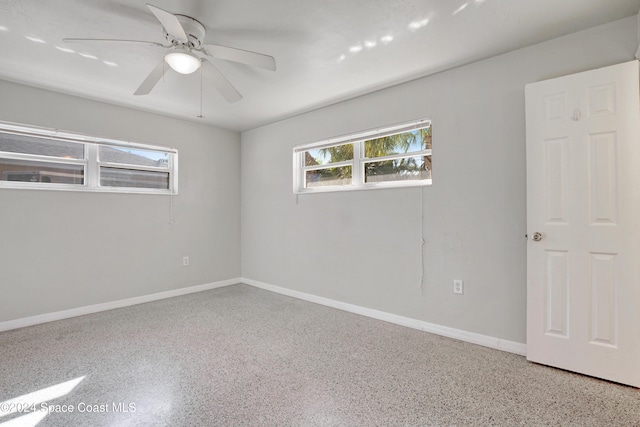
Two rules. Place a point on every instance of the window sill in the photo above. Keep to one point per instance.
(368, 186)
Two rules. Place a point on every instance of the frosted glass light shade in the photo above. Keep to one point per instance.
(182, 62)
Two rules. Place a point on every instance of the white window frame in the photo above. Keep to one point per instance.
(359, 160)
(90, 162)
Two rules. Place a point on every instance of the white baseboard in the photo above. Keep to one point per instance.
(471, 337)
(89, 309)
(484, 340)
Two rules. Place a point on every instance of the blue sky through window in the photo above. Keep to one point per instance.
(147, 154)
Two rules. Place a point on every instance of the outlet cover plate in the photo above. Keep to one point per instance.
(458, 287)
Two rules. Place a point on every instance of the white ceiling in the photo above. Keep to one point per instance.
(314, 43)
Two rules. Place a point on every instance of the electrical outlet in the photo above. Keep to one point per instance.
(458, 287)
(185, 261)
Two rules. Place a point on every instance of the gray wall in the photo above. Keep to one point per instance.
(61, 250)
(364, 247)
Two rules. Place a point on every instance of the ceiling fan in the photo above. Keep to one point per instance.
(187, 53)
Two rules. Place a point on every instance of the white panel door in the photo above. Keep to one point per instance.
(583, 216)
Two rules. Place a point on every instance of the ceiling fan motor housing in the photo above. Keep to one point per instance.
(194, 29)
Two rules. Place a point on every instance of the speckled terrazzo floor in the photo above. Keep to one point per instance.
(239, 356)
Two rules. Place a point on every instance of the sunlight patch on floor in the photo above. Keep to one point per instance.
(33, 404)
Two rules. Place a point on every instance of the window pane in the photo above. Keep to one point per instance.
(113, 177)
(134, 156)
(407, 168)
(53, 173)
(323, 156)
(407, 142)
(41, 146)
(329, 176)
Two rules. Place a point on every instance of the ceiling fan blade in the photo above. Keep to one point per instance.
(221, 83)
(170, 23)
(152, 79)
(75, 40)
(242, 56)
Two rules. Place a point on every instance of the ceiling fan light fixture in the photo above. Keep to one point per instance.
(182, 62)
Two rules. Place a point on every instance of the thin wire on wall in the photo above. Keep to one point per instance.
(171, 218)
(422, 241)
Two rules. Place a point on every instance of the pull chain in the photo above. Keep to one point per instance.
(200, 116)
